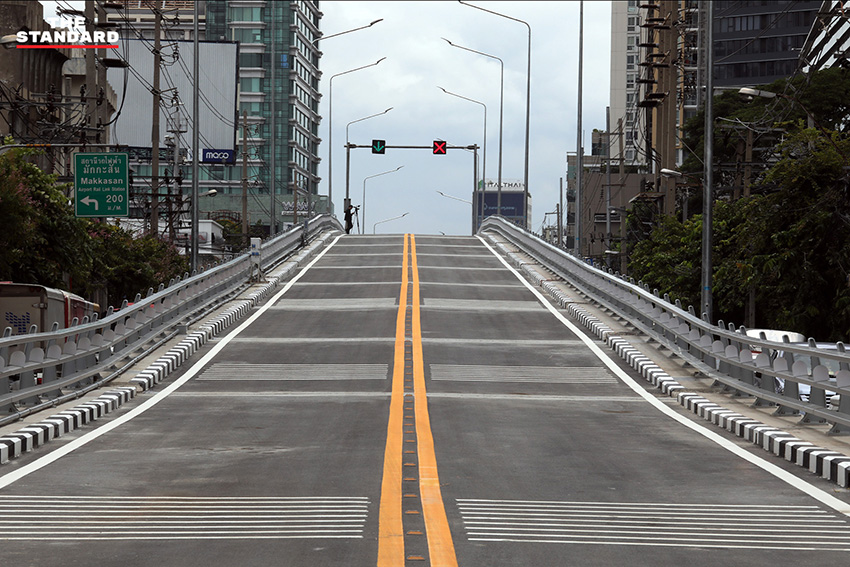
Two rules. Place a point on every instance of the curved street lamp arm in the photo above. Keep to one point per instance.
(387, 220)
(348, 31)
(362, 119)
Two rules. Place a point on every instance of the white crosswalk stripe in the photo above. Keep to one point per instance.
(147, 518)
(541, 374)
(655, 524)
(294, 372)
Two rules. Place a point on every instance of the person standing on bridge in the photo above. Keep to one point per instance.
(349, 224)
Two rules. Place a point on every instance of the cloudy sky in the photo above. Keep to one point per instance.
(418, 61)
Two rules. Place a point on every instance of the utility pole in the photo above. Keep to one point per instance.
(622, 184)
(608, 180)
(176, 172)
(101, 104)
(245, 178)
(561, 216)
(273, 7)
(91, 77)
(157, 61)
(579, 149)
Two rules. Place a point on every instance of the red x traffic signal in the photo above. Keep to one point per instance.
(439, 147)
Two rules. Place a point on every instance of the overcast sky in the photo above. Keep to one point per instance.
(417, 62)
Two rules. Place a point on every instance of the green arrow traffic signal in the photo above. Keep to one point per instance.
(379, 146)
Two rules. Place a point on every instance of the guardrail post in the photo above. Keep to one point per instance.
(50, 372)
(70, 366)
(26, 379)
(764, 381)
(817, 396)
(88, 361)
(842, 379)
(5, 388)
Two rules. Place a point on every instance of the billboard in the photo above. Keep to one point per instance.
(513, 205)
(217, 83)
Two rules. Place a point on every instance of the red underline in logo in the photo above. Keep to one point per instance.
(50, 46)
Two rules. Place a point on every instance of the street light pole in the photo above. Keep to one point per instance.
(527, 98)
(579, 145)
(316, 45)
(331, 130)
(501, 117)
(484, 167)
(363, 203)
(708, 177)
(195, 146)
(348, 147)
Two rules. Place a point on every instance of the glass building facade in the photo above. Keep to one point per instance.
(757, 42)
(279, 94)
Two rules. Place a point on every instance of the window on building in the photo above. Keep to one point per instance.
(251, 85)
(248, 35)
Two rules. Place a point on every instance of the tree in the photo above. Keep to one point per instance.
(787, 250)
(125, 265)
(42, 242)
(792, 246)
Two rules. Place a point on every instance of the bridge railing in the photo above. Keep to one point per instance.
(775, 373)
(42, 367)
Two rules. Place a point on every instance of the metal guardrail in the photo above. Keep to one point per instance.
(743, 364)
(52, 366)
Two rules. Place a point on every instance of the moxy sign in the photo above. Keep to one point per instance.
(218, 156)
(74, 36)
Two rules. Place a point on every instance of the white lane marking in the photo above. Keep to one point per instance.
(342, 304)
(312, 340)
(361, 268)
(483, 305)
(723, 526)
(531, 374)
(107, 517)
(54, 456)
(241, 371)
(794, 481)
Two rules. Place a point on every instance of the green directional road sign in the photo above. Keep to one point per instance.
(379, 146)
(101, 186)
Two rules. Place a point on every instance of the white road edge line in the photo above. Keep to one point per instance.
(798, 483)
(54, 456)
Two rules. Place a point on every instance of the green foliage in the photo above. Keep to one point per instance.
(789, 248)
(43, 242)
(125, 265)
(669, 259)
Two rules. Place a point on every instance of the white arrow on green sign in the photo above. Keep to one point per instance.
(101, 185)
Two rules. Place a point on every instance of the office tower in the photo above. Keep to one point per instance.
(279, 91)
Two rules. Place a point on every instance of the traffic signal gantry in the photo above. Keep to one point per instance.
(437, 147)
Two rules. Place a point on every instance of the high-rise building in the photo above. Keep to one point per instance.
(625, 57)
(757, 42)
(279, 91)
(658, 68)
(276, 118)
(827, 43)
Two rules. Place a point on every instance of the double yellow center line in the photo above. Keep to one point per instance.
(398, 501)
